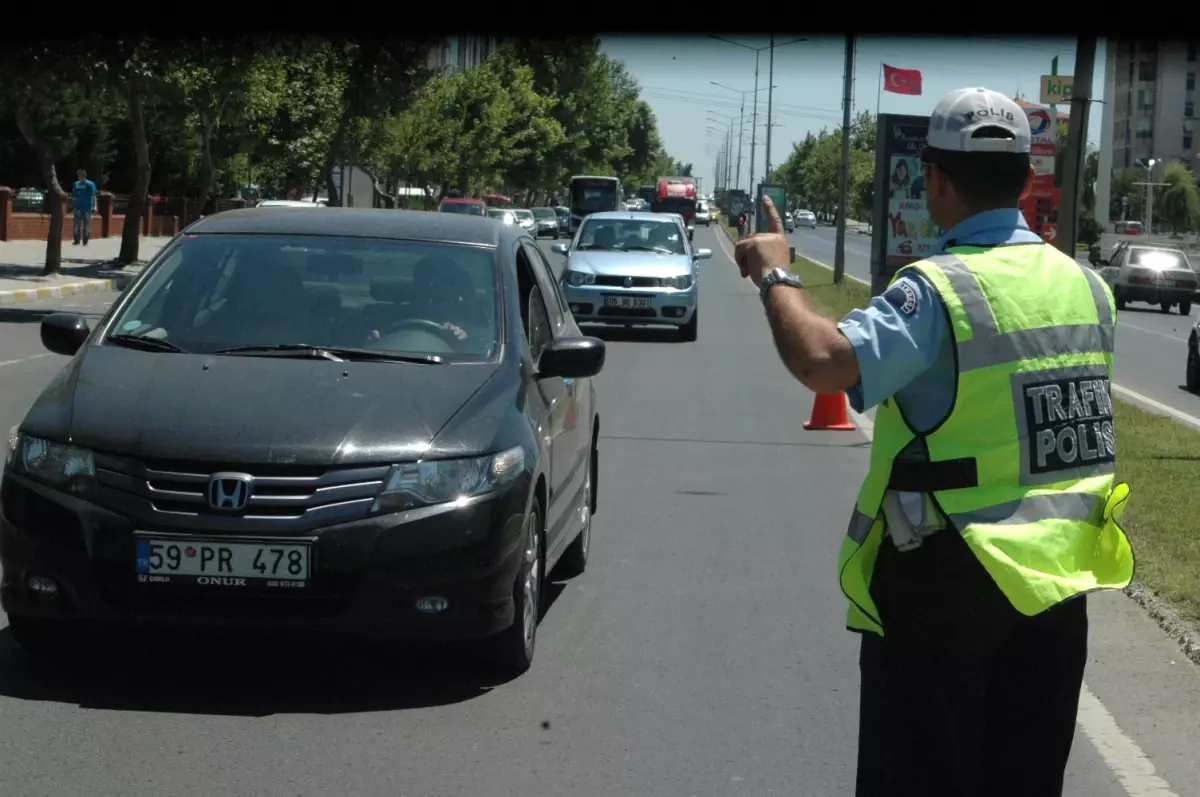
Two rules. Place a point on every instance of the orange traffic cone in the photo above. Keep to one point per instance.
(830, 412)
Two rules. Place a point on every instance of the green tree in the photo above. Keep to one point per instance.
(1178, 202)
(1125, 196)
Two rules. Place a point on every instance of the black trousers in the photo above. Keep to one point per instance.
(964, 696)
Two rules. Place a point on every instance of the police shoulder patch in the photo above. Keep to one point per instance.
(902, 296)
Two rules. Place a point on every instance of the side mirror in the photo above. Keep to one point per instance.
(64, 333)
(571, 358)
(558, 249)
(702, 254)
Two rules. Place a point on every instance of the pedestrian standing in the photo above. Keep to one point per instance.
(84, 191)
(990, 507)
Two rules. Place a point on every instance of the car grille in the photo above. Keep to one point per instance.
(638, 282)
(174, 489)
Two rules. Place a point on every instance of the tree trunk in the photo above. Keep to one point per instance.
(131, 233)
(208, 169)
(54, 192)
(389, 200)
(334, 154)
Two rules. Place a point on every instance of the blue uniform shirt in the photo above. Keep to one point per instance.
(902, 339)
(85, 195)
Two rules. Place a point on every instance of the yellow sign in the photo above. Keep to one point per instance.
(1057, 89)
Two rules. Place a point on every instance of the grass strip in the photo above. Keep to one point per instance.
(1158, 456)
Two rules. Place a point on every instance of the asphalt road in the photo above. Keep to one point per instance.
(703, 653)
(1151, 345)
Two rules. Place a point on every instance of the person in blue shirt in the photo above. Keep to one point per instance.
(961, 697)
(84, 191)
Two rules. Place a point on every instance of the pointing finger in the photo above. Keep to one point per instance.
(774, 223)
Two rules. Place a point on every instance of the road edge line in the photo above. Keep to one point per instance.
(17, 296)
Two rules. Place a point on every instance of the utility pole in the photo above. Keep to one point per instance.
(1073, 171)
(754, 123)
(770, 95)
(839, 248)
(737, 181)
(729, 149)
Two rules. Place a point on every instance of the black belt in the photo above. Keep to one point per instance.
(929, 477)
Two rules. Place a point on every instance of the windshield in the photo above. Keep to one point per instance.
(594, 197)
(461, 207)
(214, 292)
(545, 214)
(1157, 258)
(562, 213)
(505, 216)
(524, 215)
(621, 235)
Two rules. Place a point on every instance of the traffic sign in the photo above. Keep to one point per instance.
(1057, 89)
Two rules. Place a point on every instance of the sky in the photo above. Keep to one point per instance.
(677, 75)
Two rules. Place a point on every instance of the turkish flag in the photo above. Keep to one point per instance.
(901, 81)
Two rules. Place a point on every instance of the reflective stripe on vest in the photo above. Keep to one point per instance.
(1023, 465)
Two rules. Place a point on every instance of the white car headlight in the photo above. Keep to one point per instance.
(580, 278)
(682, 282)
(58, 464)
(441, 481)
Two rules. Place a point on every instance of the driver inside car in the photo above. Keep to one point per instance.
(443, 293)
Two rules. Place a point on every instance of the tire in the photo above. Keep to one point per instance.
(556, 236)
(1120, 298)
(575, 559)
(41, 636)
(1193, 369)
(1164, 306)
(1185, 308)
(513, 648)
(688, 332)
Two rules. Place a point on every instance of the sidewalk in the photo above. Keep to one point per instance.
(84, 269)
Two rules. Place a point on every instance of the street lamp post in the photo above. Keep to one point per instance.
(742, 120)
(1148, 165)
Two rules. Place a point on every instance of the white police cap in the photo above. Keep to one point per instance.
(962, 112)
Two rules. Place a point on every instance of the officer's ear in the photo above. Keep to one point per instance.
(1028, 189)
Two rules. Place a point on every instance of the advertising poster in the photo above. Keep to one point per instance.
(903, 231)
(1041, 207)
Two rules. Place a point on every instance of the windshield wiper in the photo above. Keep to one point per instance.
(146, 344)
(336, 353)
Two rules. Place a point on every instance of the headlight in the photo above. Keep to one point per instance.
(444, 480)
(579, 278)
(59, 464)
(11, 451)
(682, 282)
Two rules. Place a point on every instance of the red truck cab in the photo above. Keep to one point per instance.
(676, 195)
(469, 207)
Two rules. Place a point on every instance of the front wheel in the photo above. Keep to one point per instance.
(513, 647)
(1185, 308)
(1164, 306)
(689, 331)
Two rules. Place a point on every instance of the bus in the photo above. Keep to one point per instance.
(646, 193)
(497, 201)
(592, 194)
(676, 195)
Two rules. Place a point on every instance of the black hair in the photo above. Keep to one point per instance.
(984, 180)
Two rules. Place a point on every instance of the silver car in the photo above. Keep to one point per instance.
(1147, 273)
(703, 213)
(527, 220)
(804, 218)
(633, 269)
(547, 222)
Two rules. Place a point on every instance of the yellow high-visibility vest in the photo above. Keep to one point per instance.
(1023, 466)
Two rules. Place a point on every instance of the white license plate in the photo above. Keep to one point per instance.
(220, 563)
(635, 302)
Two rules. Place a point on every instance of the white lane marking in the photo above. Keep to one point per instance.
(1132, 767)
(22, 359)
(1153, 332)
(1139, 398)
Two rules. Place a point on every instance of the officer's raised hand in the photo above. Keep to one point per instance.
(760, 253)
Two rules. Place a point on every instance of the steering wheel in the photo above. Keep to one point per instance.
(424, 325)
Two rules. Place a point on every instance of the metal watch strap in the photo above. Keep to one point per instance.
(776, 277)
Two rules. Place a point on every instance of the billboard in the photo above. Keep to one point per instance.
(903, 232)
(1040, 208)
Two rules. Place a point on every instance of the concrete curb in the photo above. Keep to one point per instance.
(81, 287)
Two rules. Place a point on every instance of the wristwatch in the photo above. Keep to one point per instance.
(778, 276)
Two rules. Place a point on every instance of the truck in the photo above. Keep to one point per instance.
(676, 195)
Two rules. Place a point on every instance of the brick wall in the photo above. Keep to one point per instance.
(162, 218)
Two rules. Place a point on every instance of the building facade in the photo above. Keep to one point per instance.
(1153, 101)
(460, 53)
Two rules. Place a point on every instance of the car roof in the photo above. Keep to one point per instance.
(412, 225)
(1156, 248)
(629, 215)
(462, 200)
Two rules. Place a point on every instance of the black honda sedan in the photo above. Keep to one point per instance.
(369, 422)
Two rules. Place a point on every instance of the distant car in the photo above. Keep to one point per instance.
(353, 422)
(703, 213)
(633, 269)
(1147, 273)
(1129, 227)
(469, 207)
(547, 222)
(288, 203)
(564, 218)
(526, 220)
(804, 218)
(502, 215)
(789, 222)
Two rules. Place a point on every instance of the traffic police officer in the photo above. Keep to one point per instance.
(990, 507)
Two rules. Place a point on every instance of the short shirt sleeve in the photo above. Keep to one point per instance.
(896, 338)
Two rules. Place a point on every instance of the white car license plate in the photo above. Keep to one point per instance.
(243, 563)
(635, 302)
